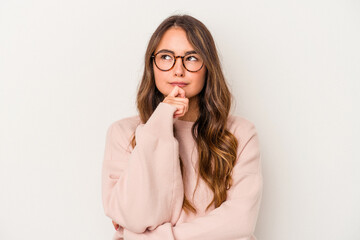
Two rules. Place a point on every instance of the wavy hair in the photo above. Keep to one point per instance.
(217, 147)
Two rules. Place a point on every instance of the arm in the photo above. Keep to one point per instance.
(236, 217)
(143, 188)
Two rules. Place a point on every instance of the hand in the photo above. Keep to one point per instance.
(177, 98)
(116, 226)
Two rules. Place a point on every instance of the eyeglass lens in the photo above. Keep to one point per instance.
(165, 61)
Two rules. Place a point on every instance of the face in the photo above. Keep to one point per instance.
(175, 40)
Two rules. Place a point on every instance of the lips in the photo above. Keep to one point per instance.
(180, 84)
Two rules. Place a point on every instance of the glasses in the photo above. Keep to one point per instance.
(165, 61)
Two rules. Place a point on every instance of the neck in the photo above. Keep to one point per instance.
(192, 114)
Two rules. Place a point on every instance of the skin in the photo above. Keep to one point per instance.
(185, 99)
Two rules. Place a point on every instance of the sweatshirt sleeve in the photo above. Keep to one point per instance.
(143, 189)
(236, 217)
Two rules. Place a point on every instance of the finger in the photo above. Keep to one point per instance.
(177, 92)
(178, 115)
(180, 104)
(181, 111)
(181, 92)
(184, 101)
(176, 100)
(174, 92)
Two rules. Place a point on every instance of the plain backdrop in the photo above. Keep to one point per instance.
(69, 68)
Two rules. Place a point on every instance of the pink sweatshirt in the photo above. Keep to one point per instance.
(142, 188)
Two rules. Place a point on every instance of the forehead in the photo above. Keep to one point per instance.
(175, 39)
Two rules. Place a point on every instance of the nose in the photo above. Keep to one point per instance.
(179, 68)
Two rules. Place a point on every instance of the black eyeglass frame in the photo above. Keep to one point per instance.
(175, 57)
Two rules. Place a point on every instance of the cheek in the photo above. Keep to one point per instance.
(201, 79)
(161, 82)
(198, 83)
(160, 77)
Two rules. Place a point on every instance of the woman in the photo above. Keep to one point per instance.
(185, 168)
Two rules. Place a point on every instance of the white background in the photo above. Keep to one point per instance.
(69, 68)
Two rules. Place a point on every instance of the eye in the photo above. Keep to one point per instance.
(192, 58)
(165, 57)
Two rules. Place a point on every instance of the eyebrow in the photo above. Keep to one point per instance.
(169, 51)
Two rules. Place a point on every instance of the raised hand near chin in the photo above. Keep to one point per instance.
(177, 98)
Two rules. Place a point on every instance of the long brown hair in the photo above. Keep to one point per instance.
(216, 146)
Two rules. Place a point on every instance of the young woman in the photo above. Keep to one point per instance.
(184, 168)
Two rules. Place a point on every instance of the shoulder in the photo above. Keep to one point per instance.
(239, 124)
(122, 130)
(248, 151)
(242, 128)
(126, 124)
